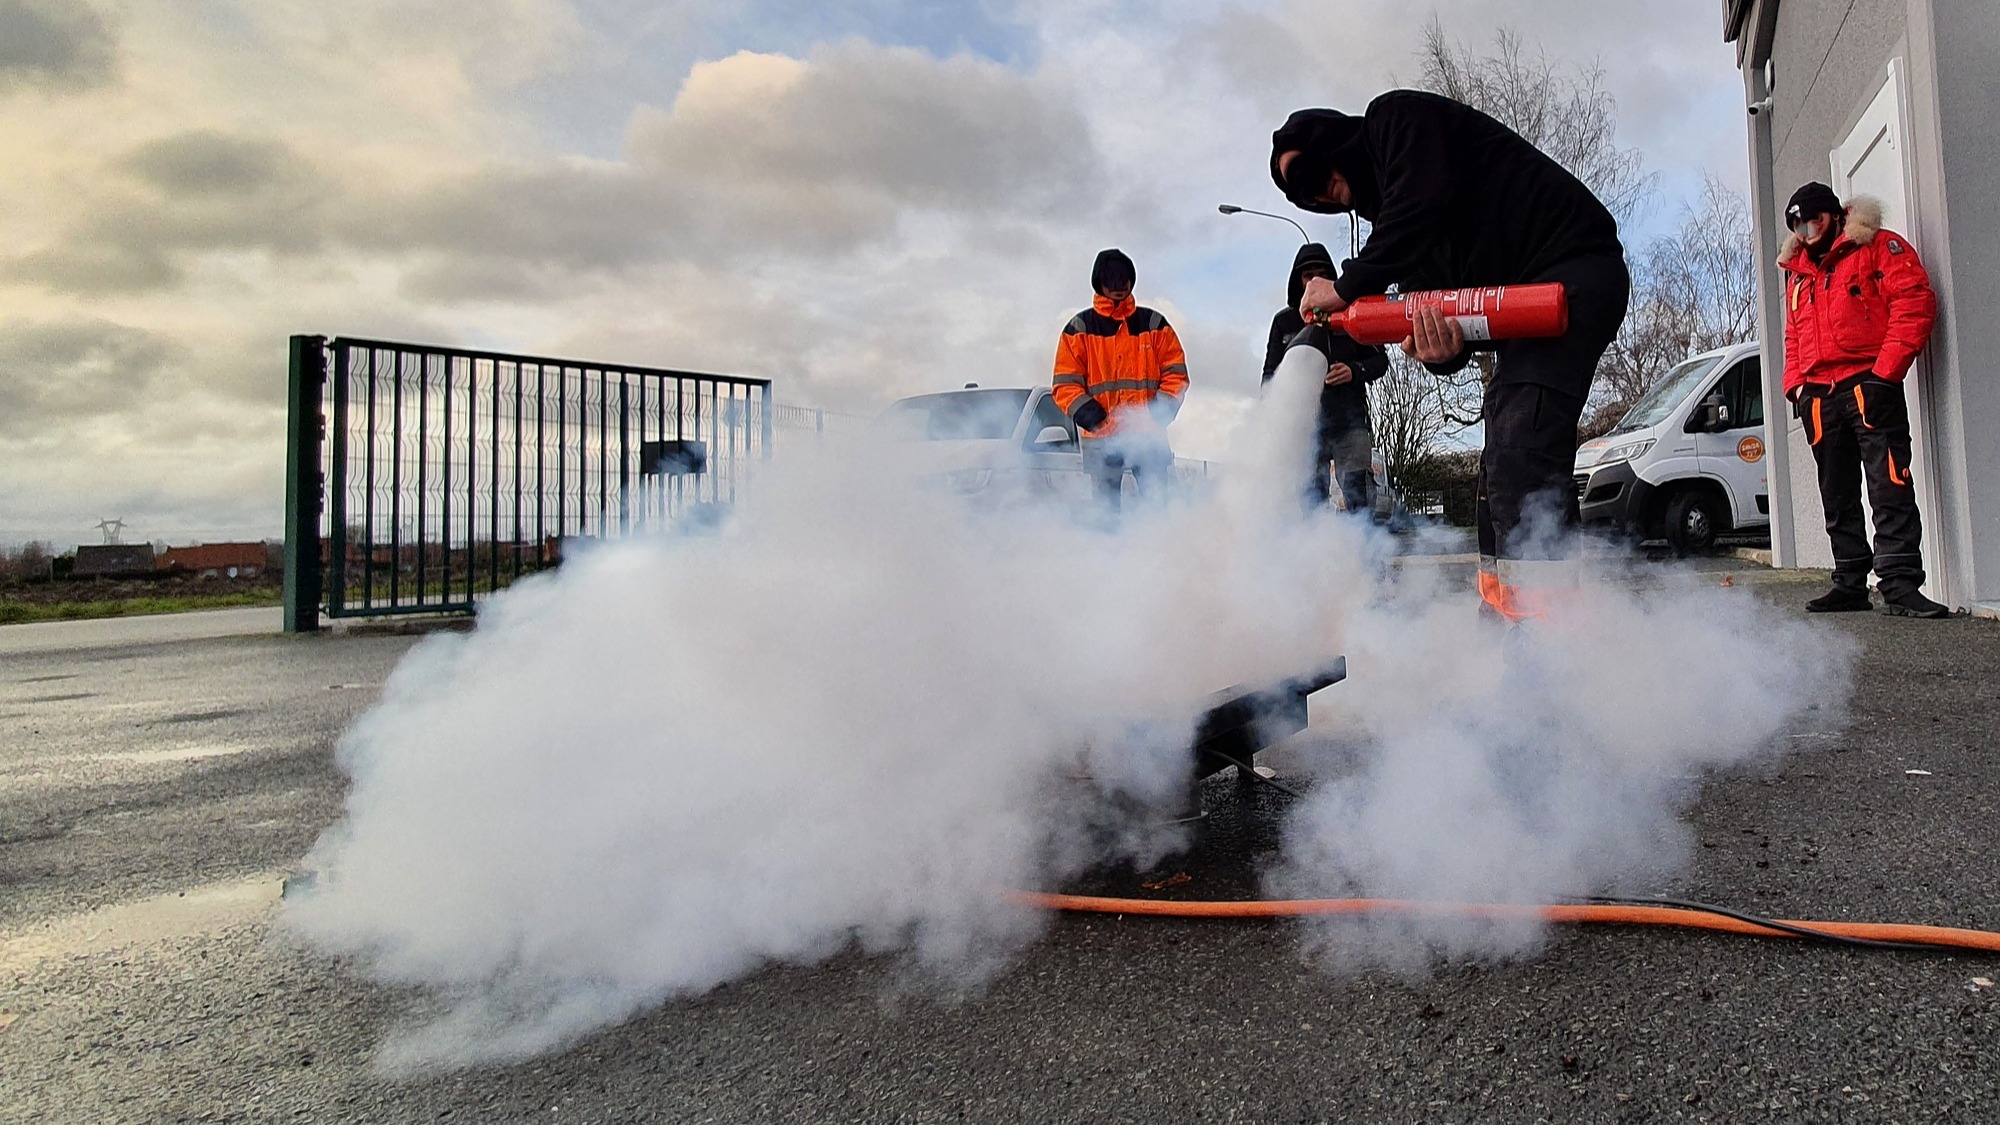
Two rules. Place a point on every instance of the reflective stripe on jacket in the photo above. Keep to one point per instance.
(1866, 305)
(1124, 356)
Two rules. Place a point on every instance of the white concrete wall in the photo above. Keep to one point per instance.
(1829, 58)
(1954, 48)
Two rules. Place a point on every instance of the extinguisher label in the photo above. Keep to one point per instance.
(1475, 327)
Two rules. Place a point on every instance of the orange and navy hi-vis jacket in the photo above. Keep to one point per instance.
(1866, 305)
(1124, 356)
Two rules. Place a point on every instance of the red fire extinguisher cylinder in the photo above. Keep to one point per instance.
(1500, 312)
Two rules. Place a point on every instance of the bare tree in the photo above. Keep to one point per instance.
(1409, 419)
(1563, 110)
(28, 562)
(1706, 272)
(1693, 290)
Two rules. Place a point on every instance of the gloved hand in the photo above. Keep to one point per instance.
(1164, 408)
(1091, 414)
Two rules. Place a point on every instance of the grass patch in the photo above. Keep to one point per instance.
(14, 612)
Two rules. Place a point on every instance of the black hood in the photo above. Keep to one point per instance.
(1326, 141)
(1111, 265)
(1311, 254)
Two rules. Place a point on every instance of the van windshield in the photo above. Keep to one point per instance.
(956, 416)
(1654, 406)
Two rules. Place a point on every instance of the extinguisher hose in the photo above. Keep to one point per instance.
(1592, 910)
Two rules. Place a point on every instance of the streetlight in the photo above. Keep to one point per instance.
(1233, 209)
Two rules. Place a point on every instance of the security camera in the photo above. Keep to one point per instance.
(1762, 105)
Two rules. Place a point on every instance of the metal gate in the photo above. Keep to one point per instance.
(420, 479)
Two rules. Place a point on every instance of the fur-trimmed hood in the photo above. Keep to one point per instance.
(1864, 222)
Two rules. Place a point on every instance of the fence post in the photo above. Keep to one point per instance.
(765, 392)
(624, 458)
(306, 431)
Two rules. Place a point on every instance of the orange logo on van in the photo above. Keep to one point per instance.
(1751, 449)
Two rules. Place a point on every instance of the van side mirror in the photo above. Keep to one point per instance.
(1711, 417)
(1052, 435)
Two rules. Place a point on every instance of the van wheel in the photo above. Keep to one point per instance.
(1693, 519)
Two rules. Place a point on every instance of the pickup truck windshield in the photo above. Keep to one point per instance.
(1654, 406)
(956, 416)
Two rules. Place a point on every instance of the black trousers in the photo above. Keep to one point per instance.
(1343, 450)
(1861, 428)
(1149, 459)
(1527, 503)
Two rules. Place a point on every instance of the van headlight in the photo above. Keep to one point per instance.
(968, 480)
(1625, 452)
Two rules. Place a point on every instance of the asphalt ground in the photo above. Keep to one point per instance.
(153, 792)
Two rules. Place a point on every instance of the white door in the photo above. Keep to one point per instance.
(1873, 161)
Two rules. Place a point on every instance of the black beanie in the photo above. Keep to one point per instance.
(1112, 270)
(1813, 199)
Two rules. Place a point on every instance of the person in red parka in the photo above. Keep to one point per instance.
(1858, 309)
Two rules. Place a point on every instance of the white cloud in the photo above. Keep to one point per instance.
(855, 220)
(53, 44)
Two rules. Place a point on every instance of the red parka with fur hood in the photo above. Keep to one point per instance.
(1865, 306)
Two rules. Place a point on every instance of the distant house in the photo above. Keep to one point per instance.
(114, 560)
(217, 560)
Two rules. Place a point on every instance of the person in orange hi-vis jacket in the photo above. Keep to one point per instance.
(1121, 375)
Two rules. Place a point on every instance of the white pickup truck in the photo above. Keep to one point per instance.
(1002, 444)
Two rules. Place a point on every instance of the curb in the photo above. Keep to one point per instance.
(401, 626)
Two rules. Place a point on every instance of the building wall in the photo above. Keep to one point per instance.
(1829, 59)
(1956, 91)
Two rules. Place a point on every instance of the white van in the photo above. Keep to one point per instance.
(1686, 462)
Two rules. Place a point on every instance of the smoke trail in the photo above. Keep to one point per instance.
(834, 723)
(1516, 767)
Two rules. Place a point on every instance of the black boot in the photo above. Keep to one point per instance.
(1841, 599)
(1912, 603)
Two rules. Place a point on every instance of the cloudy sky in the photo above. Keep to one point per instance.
(857, 198)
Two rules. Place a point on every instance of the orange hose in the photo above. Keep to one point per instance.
(1570, 913)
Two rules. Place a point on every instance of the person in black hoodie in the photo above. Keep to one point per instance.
(1456, 200)
(1343, 435)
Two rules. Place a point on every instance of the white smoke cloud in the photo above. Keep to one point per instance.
(1482, 766)
(845, 719)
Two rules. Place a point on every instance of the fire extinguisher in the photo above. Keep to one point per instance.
(1500, 312)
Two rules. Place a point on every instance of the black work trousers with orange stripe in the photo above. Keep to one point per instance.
(1861, 428)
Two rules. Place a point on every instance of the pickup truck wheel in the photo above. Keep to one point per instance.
(1693, 519)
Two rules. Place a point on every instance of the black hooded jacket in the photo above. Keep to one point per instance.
(1342, 407)
(1456, 198)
